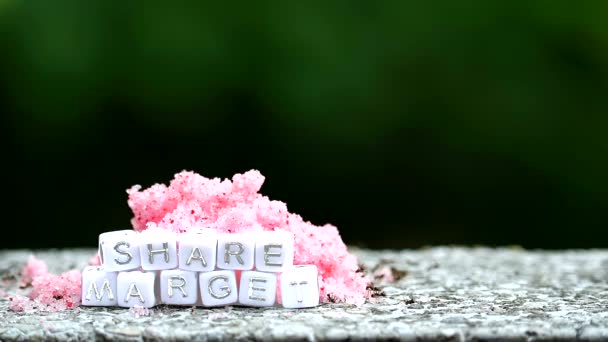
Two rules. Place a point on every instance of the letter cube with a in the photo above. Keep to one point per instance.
(258, 288)
(98, 287)
(235, 251)
(136, 288)
(178, 287)
(197, 250)
(274, 251)
(218, 288)
(300, 287)
(158, 249)
(119, 250)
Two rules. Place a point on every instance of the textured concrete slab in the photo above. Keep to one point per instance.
(439, 294)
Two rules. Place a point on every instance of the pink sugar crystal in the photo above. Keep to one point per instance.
(32, 269)
(192, 200)
(20, 303)
(57, 292)
(49, 292)
(140, 311)
(384, 274)
(95, 260)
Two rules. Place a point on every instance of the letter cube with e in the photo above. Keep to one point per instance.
(274, 251)
(235, 251)
(218, 288)
(98, 287)
(119, 250)
(178, 287)
(136, 288)
(158, 249)
(258, 288)
(197, 250)
(300, 287)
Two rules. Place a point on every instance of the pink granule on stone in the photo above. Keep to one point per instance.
(192, 200)
(32, 269)
(384, 274)
(95, 260)
(50, 292)
(20, 303)
(140, 311)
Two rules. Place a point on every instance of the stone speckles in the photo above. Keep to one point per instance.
(448, 294)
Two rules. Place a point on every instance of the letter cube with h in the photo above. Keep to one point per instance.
(158, 249)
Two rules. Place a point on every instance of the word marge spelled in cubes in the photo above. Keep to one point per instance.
(198, 267)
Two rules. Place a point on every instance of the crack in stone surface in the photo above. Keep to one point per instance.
(442, 294)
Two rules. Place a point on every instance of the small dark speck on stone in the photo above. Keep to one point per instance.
(409, 301)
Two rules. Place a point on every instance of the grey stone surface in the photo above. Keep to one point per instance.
(443, 294)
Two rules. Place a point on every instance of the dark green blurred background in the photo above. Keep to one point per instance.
(405, 124)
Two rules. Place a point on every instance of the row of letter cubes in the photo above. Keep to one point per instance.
(199, 261)
(298, 284)
(199, 250)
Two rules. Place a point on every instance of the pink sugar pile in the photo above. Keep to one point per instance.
(50, 292)
(192, 200)
(34, 267)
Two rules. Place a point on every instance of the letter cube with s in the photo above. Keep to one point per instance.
(119, 250)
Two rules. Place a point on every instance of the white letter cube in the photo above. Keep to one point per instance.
(197, 250)
(158, 249)
(98, 287)
(300, 287)
(235, 251)
(274, 251)
(218, 288)
(136, 288)
(178, 287)
(119, 250)
(258, 288)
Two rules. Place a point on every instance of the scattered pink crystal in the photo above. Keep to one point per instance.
(384, 274)
(387, 274)
(19, 303)
(49, 292)
(192, 200)
(32, 269)
(218, 316)
(140, 311)
(221, 314)
(95, 260)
